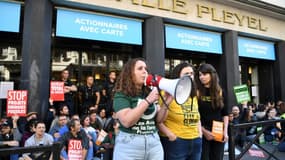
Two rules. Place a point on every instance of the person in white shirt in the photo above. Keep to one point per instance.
(39, 138)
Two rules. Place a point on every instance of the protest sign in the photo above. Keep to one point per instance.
(241, 93)
(74, 150)
(57, 90)
(17, 102)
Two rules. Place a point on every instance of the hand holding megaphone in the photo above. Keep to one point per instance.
(152, 96)
(179, 88)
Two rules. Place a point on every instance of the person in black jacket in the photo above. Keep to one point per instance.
(69, 90)
(212, 110)
(89, 95)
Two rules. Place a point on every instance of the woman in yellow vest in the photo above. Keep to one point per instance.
(180, 129)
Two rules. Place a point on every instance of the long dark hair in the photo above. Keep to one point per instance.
(176, 74)
(216, 92)
(125, 82)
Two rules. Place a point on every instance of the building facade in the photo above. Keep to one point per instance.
(244, 40)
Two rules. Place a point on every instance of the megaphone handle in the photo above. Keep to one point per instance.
(163, 101)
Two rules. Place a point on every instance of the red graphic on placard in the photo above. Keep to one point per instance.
(57, 90)
(74, 149)
(17, 102)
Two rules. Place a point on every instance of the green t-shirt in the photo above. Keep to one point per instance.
(146, 124)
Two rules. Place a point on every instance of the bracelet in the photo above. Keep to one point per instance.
(147, 101)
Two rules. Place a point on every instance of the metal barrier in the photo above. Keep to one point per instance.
(54, 149)
(263, 124)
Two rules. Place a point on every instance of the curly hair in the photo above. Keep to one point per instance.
(176, 74)
(216, 92)
(126, 80)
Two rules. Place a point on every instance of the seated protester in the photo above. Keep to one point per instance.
(29, 131)
(10, 136)
(281, 146)
(102, 118)
(50, 115)
(248, 118)
(60, 128)
(74, 137)
(39, 138)
(23, 121)
(63, 110)
(109, 141)
(239, 117)
(92, 108)
(75, 117)
(109, 119)
(271, 133)
(91, 134)
(94, 122)
(260, 112)
(236, 114)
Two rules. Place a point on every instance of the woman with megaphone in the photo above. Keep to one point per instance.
(180, 129)
(214, 113)
(137, 138)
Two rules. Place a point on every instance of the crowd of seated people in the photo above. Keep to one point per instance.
(249, 112)
(58, 127)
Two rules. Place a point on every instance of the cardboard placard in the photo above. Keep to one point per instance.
(75, 149)
(57, 90)
(241, 93)
(218, 131)
(17, 102)
(101, 137)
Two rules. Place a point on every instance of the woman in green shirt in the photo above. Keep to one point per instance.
(134, 106)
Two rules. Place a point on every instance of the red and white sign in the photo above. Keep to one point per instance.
(57, 90)
(17, 102)
(74, 150)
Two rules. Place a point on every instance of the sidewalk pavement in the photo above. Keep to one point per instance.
(254, 153)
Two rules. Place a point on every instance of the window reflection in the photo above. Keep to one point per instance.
(94, 63)
(10, 64)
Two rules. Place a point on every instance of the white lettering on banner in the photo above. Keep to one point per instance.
(96, 23)
(102, 31)
(75, 149)
(19, 103)
(112, 32)
(194, 37)
(16, 111)
(17, 96)
(99, 27)
(252, 48)
(89, 29)
(194, 40)
(55, 91)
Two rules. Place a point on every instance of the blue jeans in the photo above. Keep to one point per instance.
(182, 149)
(137, 147)
(14, 157)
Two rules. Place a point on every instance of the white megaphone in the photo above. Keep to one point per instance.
(179, 88)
